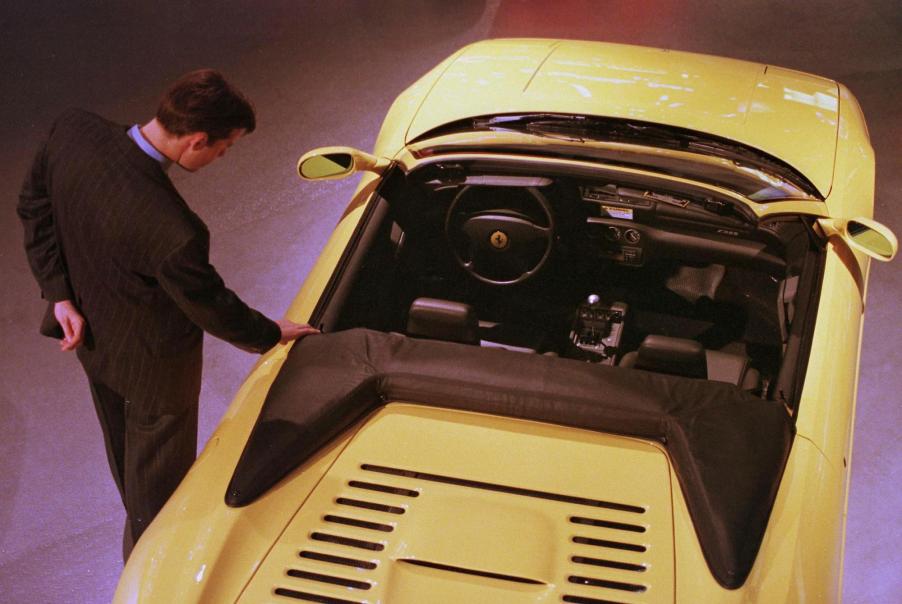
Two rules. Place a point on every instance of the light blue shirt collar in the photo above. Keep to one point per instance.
(135, 133)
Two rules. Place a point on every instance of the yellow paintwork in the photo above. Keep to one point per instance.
(788, 114)
(477, 529)
(199, 550)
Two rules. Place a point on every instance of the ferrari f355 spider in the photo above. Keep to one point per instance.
(591, 328)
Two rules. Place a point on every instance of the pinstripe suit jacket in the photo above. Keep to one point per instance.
(105, 227)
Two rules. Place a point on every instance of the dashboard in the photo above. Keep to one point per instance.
(501, 229)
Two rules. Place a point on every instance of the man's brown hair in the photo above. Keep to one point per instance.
(202, 101)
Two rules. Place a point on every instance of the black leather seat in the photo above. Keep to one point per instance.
(443, 320)
(688, 358)
(437, 319)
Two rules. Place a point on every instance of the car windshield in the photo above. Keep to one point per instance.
(752, 173)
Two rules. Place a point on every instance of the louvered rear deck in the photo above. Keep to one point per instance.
(427, 505)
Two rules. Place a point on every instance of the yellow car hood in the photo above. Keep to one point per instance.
(788, 114)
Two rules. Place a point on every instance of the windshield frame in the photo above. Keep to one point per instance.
(754, 174)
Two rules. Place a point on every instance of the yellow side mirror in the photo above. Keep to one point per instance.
(327, 163)
(863, 234)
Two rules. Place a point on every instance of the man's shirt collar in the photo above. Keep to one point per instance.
(135, 134)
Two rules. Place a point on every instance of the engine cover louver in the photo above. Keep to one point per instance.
(427, 505)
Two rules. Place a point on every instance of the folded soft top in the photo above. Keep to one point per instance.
(728, 448)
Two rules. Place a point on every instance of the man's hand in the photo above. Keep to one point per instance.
(294, 331)
(72, 322)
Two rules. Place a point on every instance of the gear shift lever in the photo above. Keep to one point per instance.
(598, 327)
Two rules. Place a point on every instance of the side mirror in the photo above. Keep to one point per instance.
(863, 234)
(327, 163)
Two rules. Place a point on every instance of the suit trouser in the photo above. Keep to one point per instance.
(149, 453)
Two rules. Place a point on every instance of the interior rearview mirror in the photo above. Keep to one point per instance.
(863, 234)
(326, 163)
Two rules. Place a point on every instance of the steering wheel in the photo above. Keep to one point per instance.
(501, 236)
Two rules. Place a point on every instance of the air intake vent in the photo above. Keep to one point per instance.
(605, 583)
(593, 571)
(488, 486)
(337, 560)
(309, 597)
(371, 521)
(584, 600)
(369, 505)
(357, 484)
(639, 568)
(375, 526)
(470, 571)
(348, 541)
(621, 526)
(303, 574)
(632, 547)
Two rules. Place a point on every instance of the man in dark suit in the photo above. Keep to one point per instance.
(124, 264)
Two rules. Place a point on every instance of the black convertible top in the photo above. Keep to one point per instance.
(728, 447)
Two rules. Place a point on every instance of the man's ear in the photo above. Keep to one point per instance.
(198, 140)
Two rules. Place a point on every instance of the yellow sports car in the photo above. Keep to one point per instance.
(591, 325)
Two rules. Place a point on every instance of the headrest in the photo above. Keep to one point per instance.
(443, 320)
(676, 356)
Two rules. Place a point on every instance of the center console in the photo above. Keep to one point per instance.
(598, 329)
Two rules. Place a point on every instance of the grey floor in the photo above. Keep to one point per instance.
(324, 73)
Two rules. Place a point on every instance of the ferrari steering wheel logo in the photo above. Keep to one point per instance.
(499, 240)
